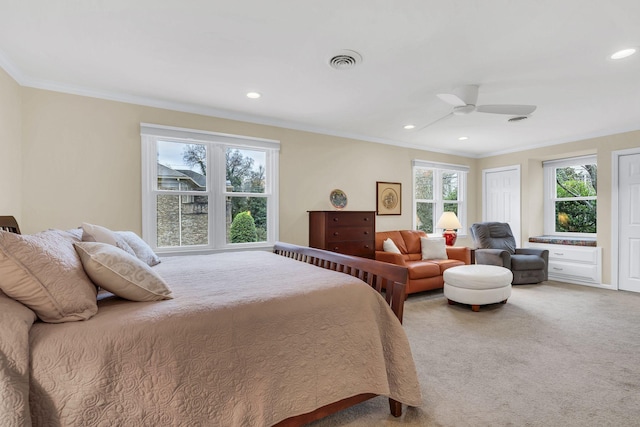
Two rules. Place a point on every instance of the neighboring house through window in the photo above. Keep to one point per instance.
(438, 188)
(204, 191)
(571, 196)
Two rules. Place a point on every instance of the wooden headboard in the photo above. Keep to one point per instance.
(9, 223)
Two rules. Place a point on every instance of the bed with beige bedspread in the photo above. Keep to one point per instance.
(248, 339)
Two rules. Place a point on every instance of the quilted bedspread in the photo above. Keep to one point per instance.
(249, 339)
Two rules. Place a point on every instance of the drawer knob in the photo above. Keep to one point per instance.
(335, 219)
(336, 249)
(335, 233)
(366, 218)
(366, 233)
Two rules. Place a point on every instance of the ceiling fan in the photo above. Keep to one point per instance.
(464, 100)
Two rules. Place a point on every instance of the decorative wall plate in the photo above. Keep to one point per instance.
(338, 199)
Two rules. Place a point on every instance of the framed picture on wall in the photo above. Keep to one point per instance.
(388, 198)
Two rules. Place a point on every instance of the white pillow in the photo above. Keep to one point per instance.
(141, 249)
(390, 246)
(120, 273)
(433, 248)
(97, 233)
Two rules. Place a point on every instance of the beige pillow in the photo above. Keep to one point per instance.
(120, 273)
(44, 272)
(433, 248)
(98, 233)
(141, 249)
(390, 246)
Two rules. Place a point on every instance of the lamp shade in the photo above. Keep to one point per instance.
(449, 221)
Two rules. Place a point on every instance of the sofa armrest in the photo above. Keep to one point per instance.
(390, 257)
(461, 253)
(498, 257)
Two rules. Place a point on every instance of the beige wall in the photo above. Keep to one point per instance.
(530, 162)
(82, 163)
(10, 147)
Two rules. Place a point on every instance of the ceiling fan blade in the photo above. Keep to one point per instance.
(435, 121)
(513, 110)
(452, 99)
(461, 96)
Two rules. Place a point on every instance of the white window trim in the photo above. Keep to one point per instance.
(438, 169)
(218, 142)
(550, 191)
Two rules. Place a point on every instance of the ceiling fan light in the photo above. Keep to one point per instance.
(463, 138)
(409, 127)
(624, 53)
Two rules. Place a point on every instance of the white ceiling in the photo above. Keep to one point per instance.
(204, 55)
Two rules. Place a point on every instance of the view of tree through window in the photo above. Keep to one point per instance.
(183, 218)
(576, 198)
(435, 191)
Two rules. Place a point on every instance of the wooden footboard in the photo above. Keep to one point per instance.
(379, 275)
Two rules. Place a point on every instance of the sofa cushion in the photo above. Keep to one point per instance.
(422, 269)
(411, 240)
(444, 264)
(381, 236)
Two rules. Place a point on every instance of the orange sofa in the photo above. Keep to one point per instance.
(424, 275)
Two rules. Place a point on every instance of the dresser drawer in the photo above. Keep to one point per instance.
(339, 234)
(350, 219)
(346, 232)
(586, 255)
(566, 270)
(362, 248)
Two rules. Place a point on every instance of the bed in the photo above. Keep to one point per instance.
(250, 338)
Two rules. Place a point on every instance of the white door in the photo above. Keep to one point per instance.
(501, 197)
(629, 222)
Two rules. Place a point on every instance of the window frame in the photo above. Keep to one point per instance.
(438, 170)
(217, 144)
(550, 195)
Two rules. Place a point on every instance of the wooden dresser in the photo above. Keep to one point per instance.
(346, 232)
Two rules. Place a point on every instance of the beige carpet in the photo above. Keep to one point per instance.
(555, 355)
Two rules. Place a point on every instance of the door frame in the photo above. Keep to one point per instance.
(615, 211)
(484, 195)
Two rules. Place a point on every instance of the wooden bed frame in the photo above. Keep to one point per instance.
(388, 279)
(379, 275)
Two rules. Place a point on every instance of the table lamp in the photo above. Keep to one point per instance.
(449, 221)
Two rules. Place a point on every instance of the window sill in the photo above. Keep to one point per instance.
(571, 241)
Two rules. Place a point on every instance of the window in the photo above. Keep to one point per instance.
(437, 188)
(206, 191)
(571, 196)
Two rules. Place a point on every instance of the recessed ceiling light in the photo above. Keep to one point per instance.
(463, 138)
(253, 95)
(623, 53)
(409, 127)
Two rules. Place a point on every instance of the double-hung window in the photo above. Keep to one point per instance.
(438, 188)
(571, 196)
(204, 191)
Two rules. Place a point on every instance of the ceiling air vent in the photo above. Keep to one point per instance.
(345, 59)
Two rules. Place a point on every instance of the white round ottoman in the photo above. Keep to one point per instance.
(477, 284)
